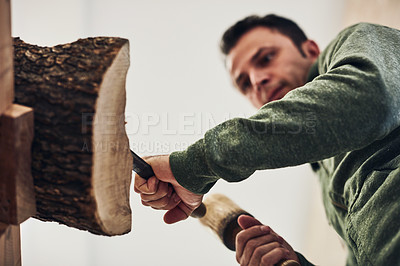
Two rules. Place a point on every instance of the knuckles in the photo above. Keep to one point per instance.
(241, 237)
(279, 254)
(157, 204)
(252, 244)
(263, 247)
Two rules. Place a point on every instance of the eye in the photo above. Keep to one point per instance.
(265, 59)
(244, 86)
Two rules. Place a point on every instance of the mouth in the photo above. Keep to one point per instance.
(276, 94)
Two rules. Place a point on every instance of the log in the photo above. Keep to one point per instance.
(81, 162)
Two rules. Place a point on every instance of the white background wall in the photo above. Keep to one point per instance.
(177, 80)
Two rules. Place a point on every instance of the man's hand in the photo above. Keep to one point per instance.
(163, 192)
(258, 244)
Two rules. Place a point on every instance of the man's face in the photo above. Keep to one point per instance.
(265, 65)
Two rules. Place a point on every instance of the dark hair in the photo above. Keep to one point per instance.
(282, 25)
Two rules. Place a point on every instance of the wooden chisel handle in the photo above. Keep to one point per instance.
(229, 227)
(145, 171)
(222, 218)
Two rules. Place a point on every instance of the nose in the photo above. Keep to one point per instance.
(259, 79)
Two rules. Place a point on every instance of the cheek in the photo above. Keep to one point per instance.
(292, 72)
(287, 71)
(299, 73)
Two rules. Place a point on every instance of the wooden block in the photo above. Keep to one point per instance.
(10, 245)
(17, 199)
(6, 57)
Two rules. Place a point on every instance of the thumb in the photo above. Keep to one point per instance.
(179, 213)
(246, 221)
(174, 215)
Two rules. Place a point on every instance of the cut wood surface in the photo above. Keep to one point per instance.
(81, 162)
(10, 245)
(17, 199)
(6, 55)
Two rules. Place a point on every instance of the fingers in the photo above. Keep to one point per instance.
(164, 192)
(269, 254)
(259, 245)
(144, 186)
(245, 236)
(159, 191)
(164, 197)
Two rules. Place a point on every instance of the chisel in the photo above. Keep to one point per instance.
(223, 215)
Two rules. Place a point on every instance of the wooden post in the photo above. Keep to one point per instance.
(6, 57)
(17, 200)
(10, 245)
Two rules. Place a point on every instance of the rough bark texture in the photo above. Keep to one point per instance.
(62, 84)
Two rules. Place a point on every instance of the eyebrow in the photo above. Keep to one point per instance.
(260, 51)
(253, 59)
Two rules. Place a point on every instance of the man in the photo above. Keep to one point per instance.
(338, 110)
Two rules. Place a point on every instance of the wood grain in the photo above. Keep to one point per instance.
(17, 200)
(221, 217)
(10, 245)
(6, 55)
(10, 176)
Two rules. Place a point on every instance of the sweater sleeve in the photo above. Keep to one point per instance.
(351, 103)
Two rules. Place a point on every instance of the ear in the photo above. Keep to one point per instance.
(311, 49)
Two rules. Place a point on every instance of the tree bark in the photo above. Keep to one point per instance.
(81, 162)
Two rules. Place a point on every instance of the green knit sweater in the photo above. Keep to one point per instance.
(344, 118)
